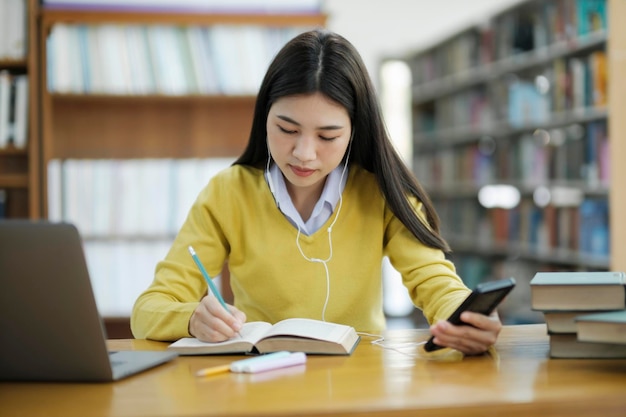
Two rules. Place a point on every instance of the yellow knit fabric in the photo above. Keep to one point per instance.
(235, 219)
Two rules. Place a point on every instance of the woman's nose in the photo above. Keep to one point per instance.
(304, 149)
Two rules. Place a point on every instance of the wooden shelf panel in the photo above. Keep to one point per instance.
(13, 152)
(149, 126)
(13, 63)
(13, 163)
(13, 181)
(95, 99)
(50, 16)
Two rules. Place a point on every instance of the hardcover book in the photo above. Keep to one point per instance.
(578, 291)
(565, 321)
(606, 327)
(570, 347)
(294, 335)
(562, 321)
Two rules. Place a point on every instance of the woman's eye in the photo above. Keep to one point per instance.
(282, 129)
(291, 132)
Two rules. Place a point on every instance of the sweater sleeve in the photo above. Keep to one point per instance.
(430, 278)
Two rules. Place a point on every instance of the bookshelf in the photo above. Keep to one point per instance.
(19, 159)
(127, 129)
(617, 132)
(154, 125)
(513, 140)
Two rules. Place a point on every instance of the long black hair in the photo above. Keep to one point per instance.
(323, 61)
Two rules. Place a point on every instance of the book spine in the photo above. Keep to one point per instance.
(20, 126)
(5, 108)
(3, 203)
(13, 33)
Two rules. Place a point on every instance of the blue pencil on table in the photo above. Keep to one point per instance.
(208, 279)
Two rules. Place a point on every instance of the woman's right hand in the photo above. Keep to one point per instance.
(210, 322)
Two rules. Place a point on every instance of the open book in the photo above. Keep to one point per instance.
(295, 335)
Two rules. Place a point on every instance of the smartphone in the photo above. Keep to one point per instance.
(483, 299)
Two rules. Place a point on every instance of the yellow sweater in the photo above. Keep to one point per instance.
(235, 219)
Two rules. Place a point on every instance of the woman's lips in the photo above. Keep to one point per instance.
(301, 172)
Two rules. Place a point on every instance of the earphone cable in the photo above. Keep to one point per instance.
(329, 230)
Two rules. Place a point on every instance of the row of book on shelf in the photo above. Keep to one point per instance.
(13, 33)
(532, 26)
(13, 110)
(574, 152)
(161, 59)
(581, 229)
(539, 24)
(120, 270)
(567, 84)
(127, 198)
(128, 212)
(108, 197)
(572, 83)
(585, 312)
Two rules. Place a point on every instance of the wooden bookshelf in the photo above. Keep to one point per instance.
(617, 132)
(126, 126)
(154, 125)
(20, 168)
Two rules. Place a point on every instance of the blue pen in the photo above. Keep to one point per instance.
(208, 279)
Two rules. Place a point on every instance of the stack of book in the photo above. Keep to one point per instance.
(585, 312)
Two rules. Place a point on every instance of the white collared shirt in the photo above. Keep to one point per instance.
(324, 207)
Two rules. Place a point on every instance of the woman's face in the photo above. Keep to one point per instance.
(307, 136)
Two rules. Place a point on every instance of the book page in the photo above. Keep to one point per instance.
(313, 329)
(250, 333)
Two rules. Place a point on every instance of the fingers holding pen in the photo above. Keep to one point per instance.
(210, 322)
(238, 318)
(213, 320)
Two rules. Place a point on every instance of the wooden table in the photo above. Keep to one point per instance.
(517, 380)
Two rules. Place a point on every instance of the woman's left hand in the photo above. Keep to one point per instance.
(480, 333)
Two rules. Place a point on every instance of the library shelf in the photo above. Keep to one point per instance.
(523, 100)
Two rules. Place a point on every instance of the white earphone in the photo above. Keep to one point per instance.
(324, 262)
(268, 176)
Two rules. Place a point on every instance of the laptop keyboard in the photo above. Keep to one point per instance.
(112, 359)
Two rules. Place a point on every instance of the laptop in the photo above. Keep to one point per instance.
(49, 323)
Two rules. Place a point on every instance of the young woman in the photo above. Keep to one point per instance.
(306, 214)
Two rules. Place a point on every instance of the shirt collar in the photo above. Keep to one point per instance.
(333, 187)
(325, 206)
